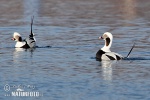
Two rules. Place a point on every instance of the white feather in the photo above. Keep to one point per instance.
(106, 54)
(20, 44)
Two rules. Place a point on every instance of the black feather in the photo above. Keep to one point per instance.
(20, 39)
(110, 57)
(99, 54)
(26, 46)
(31, 34)
(130, 50)
(118, 58)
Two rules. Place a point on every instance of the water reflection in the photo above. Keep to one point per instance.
(129, 9)
(107, 70)
(21, 52)
(31, 7)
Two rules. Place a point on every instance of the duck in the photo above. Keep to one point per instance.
(29, 42)
(105, 53)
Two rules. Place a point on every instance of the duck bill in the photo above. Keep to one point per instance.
(100, 37)
(13, 39)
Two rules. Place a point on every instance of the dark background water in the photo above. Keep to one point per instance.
(67, 70)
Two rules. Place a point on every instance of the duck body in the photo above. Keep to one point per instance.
(21, 45)
(105, 53)
(29, 42)
(101, 55)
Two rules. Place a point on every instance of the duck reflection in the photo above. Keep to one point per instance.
(129, 9)
(31, 7)
(107, 70)
(20, 52)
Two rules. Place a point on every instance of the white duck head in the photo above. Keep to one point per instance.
(107, 36)
(17, 37)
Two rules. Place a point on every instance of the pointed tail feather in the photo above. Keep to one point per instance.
(130, 51)
(31, 35)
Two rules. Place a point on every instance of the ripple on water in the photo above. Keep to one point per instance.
(63, 66)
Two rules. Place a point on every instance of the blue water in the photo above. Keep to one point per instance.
(63, 66)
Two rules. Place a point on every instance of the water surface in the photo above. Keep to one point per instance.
(63, 67)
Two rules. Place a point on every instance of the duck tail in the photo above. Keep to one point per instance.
(31, 35)
(130, 50)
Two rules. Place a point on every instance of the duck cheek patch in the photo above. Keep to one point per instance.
(20, 39)
(107, 41)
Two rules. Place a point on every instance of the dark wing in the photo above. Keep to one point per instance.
(112, 56)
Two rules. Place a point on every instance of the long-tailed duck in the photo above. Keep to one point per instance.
(28, 42)
(105, 53)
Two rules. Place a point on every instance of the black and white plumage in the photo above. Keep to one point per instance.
(29, 42)
(104, 53)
